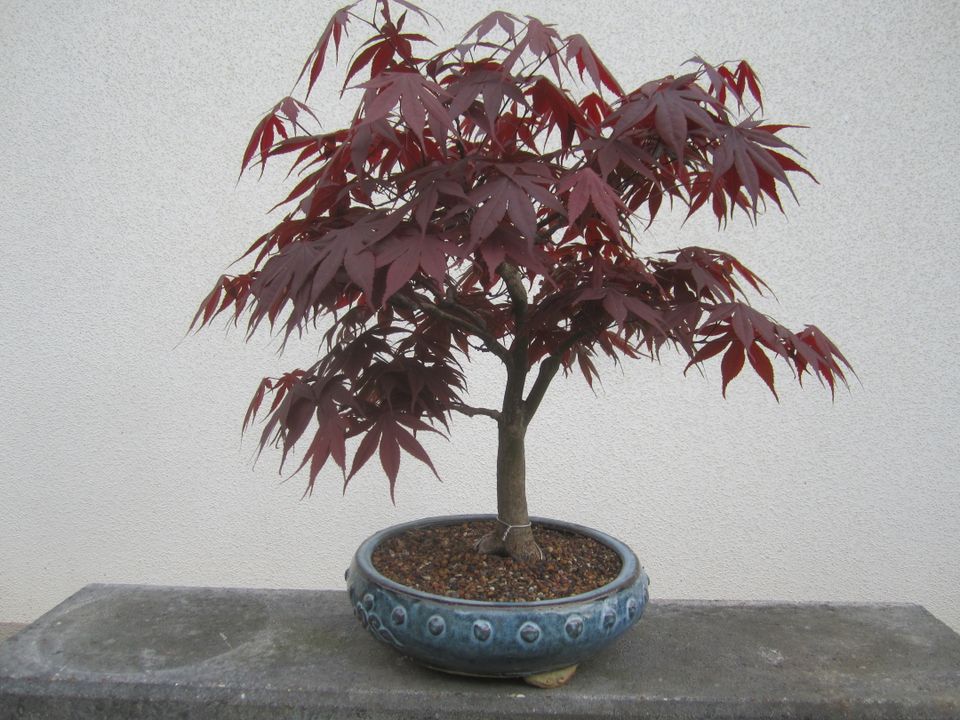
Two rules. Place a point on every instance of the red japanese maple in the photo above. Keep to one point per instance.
(487, 198)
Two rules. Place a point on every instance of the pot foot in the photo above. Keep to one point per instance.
(552, 679)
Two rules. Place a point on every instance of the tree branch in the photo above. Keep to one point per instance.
(474, 411)
(514, 282)
(449, 300)
(513, 406)
(436, 311)
(518, 297)
(548, 370)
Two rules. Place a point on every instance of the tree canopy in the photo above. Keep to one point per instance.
(489, 197)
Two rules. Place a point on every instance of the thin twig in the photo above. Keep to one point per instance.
(471, 411)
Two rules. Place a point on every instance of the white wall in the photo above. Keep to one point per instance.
(122, 130)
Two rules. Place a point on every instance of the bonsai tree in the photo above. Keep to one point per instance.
(490, 198)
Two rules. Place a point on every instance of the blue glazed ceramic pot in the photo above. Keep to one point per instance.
(495, 639)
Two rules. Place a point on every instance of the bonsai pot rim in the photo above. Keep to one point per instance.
(629, 570)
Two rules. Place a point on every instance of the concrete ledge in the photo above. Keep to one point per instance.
(8, 629)
(157, 652)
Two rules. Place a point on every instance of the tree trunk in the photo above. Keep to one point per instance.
(513, 536)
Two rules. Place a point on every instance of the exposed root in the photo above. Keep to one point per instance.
(519, 545)
(492, 544)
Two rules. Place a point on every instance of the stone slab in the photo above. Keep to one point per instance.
(114, 651)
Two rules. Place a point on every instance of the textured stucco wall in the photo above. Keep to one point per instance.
(122, 127)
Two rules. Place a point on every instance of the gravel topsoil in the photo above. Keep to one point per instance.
(442, 560)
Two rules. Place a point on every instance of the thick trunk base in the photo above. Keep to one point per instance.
(514, 537)
(519, 544)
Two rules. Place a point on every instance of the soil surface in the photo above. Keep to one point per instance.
(442, 560)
